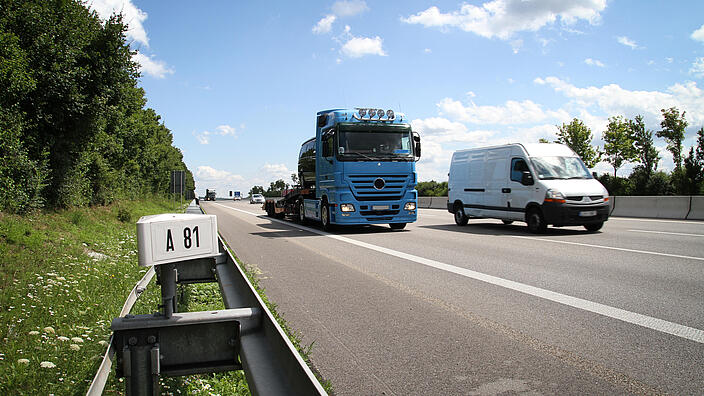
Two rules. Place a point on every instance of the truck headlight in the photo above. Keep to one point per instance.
(554, 196)
(409, 206)
(346, 208)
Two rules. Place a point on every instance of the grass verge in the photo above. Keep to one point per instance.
(64, 276)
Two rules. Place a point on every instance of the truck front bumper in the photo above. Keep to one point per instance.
(375, 213)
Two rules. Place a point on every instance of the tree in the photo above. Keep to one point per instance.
(643, 142)
(618, 144)
(578, 137)
(276, 188)
(673, 126)
(294, 178)
(694, 166)
(256, 190)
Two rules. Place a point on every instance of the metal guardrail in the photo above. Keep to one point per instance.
(271, 363)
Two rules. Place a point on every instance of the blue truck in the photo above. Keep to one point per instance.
(358, 169)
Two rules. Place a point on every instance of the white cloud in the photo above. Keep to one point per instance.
(151, 67)
(324, 25)
(274, 172)
(614, 100)
(358, 47)
(627, 42)
(346, 8)
(593, 62)
(512, 113)
(133, 17)
(697, 68)
(221, 181)
(220, 130)
(503, 18)
(698, 34)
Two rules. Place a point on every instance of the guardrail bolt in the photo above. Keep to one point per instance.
(151, 339)
(132, 341)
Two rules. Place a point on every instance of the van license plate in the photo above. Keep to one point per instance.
(588, 213)
(380, 207)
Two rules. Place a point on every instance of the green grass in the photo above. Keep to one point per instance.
(64, 276)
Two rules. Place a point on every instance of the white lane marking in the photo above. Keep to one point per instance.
(668, 233)
(695, 222)
(649, 322)
(609, 248)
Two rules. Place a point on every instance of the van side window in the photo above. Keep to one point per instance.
(518, 166)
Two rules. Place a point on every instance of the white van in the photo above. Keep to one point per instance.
(541, 184)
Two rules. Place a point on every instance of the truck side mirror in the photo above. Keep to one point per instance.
(416, 141)
(527, 179)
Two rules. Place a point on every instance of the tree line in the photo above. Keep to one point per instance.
(628, 140)
(74, 129)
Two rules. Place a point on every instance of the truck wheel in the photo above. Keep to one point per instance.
(325, 217)
(536, 222)
(594, 226)
(460, 218)
(301, 213)
(397, 226)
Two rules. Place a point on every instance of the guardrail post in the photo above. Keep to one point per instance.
(168, 277)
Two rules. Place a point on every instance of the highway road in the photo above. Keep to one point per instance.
(486, 309)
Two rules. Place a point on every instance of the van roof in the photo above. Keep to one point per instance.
(533, 149)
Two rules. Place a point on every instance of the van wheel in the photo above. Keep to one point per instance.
(594, 226)
(460, 218)
(301, 213)
(325, 217)
(397, 226)
(507, 222)
(536, 222)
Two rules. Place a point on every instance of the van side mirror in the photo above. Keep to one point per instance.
(527, 179)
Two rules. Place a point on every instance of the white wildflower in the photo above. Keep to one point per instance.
(74, 347)
(46, 364)
(62, 338)
(23, 361)
(49, 330)
(33, 332)
(77, 340)
(103, 343)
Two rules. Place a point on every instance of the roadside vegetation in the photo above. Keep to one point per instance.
(64, 276)
(74, 126)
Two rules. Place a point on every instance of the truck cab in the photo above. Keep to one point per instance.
(361, 167)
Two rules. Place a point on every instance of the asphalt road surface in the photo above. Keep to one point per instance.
(486, 309)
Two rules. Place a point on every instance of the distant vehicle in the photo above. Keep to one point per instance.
(256, 198)
(237, 196)
(210, 195)
(358, 169)
(540, 184)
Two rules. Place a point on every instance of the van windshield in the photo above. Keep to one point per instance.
(375, 144)
(551, 168)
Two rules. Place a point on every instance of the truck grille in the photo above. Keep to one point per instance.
(366, 187)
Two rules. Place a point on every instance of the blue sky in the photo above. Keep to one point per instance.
(239, 83)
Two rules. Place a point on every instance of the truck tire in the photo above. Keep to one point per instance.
(460, 218)
(301, 212)
(593, 227)
(397, 226)
(536, 221)
(325, 217)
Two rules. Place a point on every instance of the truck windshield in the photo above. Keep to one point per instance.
(375, 144)
(551, 168)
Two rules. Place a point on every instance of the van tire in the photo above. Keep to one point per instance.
(536, 221)
(593, 227)
(460, 218)
(325, 217)
(397, 226)
(507, 222)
